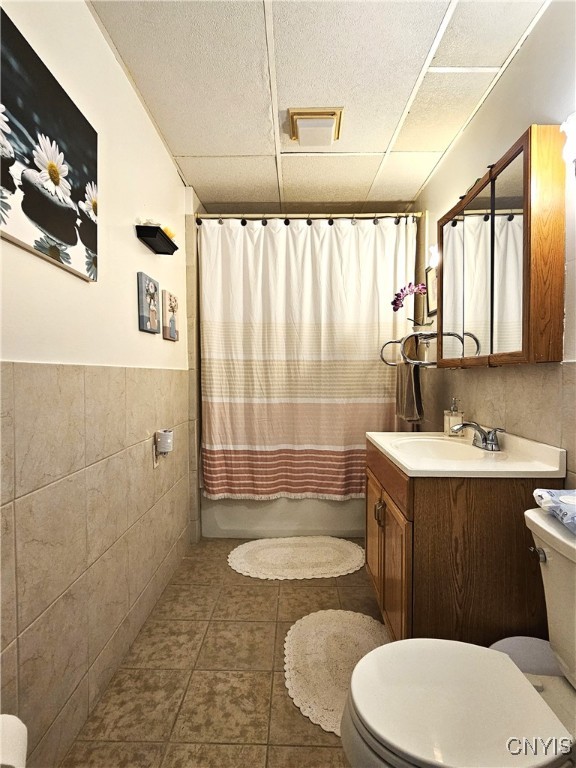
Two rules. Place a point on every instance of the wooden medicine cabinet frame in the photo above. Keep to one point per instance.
(543, 263)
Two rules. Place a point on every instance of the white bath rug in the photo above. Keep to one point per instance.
(320, 653)
(297, 557)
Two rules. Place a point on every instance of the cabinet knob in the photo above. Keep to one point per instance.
(540, 552)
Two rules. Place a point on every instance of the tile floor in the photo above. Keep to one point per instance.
(203, 684)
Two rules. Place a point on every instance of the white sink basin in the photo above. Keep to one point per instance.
(424, 447)
(432, 454)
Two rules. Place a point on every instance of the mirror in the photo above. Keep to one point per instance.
(508, 257)
(501, 271)
(466, 255)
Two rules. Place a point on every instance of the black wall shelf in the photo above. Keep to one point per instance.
(156, 239)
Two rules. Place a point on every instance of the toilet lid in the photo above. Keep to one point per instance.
(444, 703)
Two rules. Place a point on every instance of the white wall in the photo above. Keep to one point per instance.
(48, 315)
(538, 87)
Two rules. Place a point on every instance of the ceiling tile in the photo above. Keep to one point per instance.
(402, 175)
(245, 209)
(363, 56)
(329, 178)
(443, 104)
(209, 91)
(231, 179)
(482, 34)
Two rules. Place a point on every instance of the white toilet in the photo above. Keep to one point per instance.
(426, 703)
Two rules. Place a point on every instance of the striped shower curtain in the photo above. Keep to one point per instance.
(292, 322)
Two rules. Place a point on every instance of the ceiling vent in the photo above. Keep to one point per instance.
(315, 127)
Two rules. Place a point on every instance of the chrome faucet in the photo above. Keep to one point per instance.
(486, 440)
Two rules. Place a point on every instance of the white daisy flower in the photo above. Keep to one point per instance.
(50, 161)
(91, 201)
(4, 127)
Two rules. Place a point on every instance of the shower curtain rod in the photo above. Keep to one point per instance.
(259, 216)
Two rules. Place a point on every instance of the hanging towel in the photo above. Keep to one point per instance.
(408, 395)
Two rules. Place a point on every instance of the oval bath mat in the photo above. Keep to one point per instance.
(320, 653)
(297, 557)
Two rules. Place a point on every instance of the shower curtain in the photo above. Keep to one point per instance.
(467, 258)
(508, 282)
(292, 322)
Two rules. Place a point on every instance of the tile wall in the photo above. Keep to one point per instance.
(91, 532)
(533, 401)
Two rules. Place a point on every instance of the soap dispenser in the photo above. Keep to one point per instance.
(452, 418)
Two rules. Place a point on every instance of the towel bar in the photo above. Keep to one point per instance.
(425, 336)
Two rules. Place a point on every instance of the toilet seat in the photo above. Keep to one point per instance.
(431, 703)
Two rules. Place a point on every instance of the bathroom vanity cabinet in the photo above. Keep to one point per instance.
(450, 557)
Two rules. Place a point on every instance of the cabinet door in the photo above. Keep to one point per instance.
(373, 509)
(397, 570)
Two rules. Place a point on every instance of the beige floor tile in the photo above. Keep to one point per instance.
(238, 645)
(166, 645)
(361, 600)
(328, 582)
(359, 578)
(247, 604)
(215, 756)
(282, 628)
(209, 556)
(230, 630)
(225, 707)
(206, 573)
(296, 602)
(186, 602)
(139, 705)
(215, 546)
(288, 726)
(307, 757)
(234, 578)
(96, 754)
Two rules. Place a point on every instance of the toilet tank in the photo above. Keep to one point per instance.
(559, 577)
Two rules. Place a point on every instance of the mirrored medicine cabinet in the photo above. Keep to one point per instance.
(502, 260)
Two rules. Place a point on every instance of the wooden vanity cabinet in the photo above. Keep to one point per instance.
(450, 557)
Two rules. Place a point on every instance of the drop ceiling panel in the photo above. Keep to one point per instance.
(443, 104)
(328, 178)
(231, 179)
(363, 56)
(482, 34)
(245, 209)
(208, 89)
(403, 174)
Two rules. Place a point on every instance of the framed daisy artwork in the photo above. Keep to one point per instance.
(49, 153)
(148, 304)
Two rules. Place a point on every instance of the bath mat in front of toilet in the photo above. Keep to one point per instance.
(320, 653)
(297, 557)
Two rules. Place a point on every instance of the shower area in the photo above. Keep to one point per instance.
(292, 314)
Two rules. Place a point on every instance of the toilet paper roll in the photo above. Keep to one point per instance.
(13, 742)
(164, 440)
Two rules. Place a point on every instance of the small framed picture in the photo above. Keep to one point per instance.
(169, 316)
(431, 291)
(148, 304)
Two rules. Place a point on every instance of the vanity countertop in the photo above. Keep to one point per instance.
(433, 454)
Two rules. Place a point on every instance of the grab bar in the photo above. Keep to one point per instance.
(425, 336)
